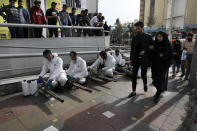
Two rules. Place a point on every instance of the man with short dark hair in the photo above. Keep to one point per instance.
(52, 16)
(189, 46)
(80, 21)
(94, 22)
(105, 63)
(12, 16)
(37, 17)
(24, 17)
(139, 56)
(74, 21)
(65, 19)
(86, 20)
(73, 17)
(78, 69)
(54, 64)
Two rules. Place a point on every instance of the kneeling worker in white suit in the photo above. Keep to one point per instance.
(118, 57)
(54, 64)
(106, 63)
(78, 69)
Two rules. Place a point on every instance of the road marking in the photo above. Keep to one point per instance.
(93, 101)
(55, 120)
(133, 118)
(51, 128)
(108, 114)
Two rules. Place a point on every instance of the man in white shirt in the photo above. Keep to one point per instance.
(78, 69)
(118, 57)
(94, 22)
(54, 64)
(105, 63)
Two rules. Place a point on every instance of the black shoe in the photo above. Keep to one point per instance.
(182, 75)
(186, 78)
(156, 100)
(145, 88)
(155, 95)
(132, 94)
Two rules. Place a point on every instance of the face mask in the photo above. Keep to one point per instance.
(189, 39)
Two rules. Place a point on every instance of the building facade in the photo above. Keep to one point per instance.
(159, 12)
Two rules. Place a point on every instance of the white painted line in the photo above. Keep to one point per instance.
(51, 128)
(108, 114)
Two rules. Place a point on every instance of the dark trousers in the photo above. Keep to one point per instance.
(37, 32)
(139, 64)
(25, 32)
(183, 62)
(175, 64)
(160, 77)
(53, 31)
(189, 59)
(16, 32)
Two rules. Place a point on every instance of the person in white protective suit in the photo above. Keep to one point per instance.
(54, 65)
(77, 70)
(106, 63)
(118, 57)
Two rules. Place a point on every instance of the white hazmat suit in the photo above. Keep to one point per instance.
(119, 60)
(78, 69)
(109, 64)
(55, 67)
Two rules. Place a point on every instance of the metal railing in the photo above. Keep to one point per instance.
(27, 55)
(48, 26)
(79, 33)
(65, 47)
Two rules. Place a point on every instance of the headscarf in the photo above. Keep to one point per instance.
(165, 40)
(167, 47)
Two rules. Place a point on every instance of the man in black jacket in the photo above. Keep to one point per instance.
(140, 57)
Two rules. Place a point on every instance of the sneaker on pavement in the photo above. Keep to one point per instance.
(145, 88)
(132, 94)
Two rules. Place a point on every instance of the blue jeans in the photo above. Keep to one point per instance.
(175, 65)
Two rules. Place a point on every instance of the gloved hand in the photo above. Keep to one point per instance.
(89, 68)
(40, 80)
(49, 83)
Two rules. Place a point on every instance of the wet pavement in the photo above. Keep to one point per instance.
(107, 108)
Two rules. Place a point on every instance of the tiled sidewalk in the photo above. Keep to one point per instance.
(83, 111)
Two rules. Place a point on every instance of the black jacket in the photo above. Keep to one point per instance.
(139, 43)
(176, 48)
(165, 49)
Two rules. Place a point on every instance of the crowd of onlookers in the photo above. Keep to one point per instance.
(13, 14)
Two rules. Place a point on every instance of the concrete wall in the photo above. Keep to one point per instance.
(146, 12)
(160, 12)
(191, 15)
(92, 6)
(11, 65)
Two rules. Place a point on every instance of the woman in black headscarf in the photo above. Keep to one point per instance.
(161, 61)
